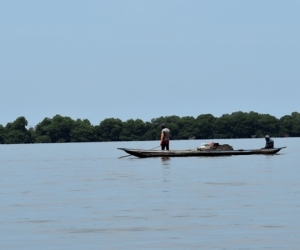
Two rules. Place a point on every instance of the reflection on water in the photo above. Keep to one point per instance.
(165, 160)
(81, 196)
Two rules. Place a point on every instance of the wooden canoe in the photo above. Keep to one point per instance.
(143, 153)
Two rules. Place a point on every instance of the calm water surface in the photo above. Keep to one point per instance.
(81, 196)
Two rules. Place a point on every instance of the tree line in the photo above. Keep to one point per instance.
(60, 129)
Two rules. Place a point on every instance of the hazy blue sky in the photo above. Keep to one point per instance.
(96, 59)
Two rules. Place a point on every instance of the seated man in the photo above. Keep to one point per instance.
(269, 142)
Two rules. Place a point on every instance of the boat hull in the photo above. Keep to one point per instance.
(144, 153)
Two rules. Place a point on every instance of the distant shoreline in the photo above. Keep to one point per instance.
(238, 125)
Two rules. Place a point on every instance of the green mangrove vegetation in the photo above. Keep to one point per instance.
(60, 129)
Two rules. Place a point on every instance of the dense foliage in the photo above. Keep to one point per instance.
(205, 126)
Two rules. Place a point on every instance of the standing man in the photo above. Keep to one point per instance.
(165, 137)
(269, 142)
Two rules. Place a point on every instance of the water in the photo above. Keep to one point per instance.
(81, 196)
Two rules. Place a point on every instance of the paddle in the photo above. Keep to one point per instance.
(130, 155)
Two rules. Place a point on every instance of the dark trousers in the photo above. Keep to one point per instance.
(165, 146)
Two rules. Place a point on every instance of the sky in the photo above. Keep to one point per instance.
(98, 59)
